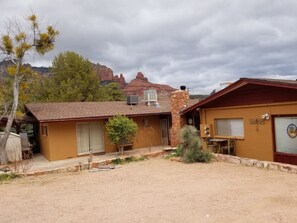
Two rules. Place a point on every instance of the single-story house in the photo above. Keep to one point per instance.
(71, 129)
(261, 114)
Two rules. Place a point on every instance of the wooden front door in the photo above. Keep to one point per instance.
(164, 131)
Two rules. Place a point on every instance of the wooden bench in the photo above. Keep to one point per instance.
(124, 145)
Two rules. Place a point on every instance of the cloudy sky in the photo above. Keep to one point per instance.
(196, 43)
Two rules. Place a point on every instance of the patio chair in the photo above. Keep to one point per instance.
(211, 146)
(229, 148)
(27, 152)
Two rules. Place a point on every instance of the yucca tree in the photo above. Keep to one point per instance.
(14, 46)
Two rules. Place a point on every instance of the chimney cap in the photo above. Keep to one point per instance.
(183, 87)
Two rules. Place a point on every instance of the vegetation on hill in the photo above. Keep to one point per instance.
(74, 79)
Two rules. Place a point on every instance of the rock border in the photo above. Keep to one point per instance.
(267, 165)
(85, 166)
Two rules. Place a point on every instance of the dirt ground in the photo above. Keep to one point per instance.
(154, 190)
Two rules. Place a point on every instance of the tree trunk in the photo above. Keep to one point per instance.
(3, 141)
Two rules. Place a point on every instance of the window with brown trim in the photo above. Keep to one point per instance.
(145, 122)
(44, 130)
(229, 127)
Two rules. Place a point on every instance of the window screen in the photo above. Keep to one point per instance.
(229, 127)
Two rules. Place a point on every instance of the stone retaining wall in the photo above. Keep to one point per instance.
(256, 163)
(251, 162)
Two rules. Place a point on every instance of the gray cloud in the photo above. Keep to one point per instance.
(196, 43)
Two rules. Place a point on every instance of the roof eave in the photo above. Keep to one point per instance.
(98, 117)
(241, 82)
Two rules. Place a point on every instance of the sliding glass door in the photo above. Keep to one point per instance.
(89, 137)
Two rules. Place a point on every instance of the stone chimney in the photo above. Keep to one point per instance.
(179, 100)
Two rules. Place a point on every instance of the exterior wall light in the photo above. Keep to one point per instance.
(265, 116)
(190, 121)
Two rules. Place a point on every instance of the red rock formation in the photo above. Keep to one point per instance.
(122, 80)
(138, 85)
(140, 76)
(105, 74)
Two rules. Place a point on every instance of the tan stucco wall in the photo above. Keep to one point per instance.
(44, 143)
(61, 142)
(145, 137)
(148, 136)
(257, 142)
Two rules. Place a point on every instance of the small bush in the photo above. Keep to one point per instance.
(191, 155)
(191, 149)
(129, 159)
(187, 134)
(205, 156)
(197, 155)
(7, 176)
(176, 153)
(117, 161)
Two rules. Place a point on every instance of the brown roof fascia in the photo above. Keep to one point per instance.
(28, 110)
(98, 118)
(216, 95)
(272, 82)
(241, 82)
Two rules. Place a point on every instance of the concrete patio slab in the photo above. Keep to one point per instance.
(40, 164)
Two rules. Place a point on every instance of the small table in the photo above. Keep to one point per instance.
(219, 142)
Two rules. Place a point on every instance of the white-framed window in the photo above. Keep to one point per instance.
(229, 127)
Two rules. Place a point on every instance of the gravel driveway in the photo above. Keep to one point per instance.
(154, 190)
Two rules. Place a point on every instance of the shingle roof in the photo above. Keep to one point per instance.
(50, 112)
(44, 112)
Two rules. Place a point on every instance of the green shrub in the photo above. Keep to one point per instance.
(129, 159)
(120, 130)
(176, 153)
(187, 134)
(190, 155)
(192, 146)
(205, 156)
(194, 155)
(117, 161)
(7, 176)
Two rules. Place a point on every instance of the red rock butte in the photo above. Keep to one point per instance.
(136, 87)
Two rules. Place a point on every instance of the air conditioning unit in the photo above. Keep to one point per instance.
(132, 100)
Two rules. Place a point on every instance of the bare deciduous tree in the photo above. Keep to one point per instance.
(15, 45)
